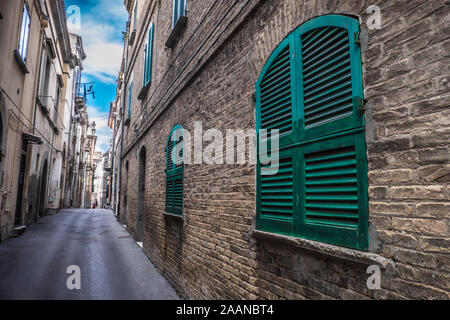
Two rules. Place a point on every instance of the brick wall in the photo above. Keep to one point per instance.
(212, 253)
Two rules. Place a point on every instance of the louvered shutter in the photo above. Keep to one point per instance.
(320, 190)
(174, 174)
(277, 192)
(275, 109)
(333, 180)
(148, 53)
(179, 9)
(330, 76)
(275, 94)
(130, 98)
(333, 192)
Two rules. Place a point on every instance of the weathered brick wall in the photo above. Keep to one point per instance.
(212, 253)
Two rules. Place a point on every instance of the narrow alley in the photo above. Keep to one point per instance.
(34, 265)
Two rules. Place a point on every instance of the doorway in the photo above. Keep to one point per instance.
(141, 195)
(21, 183)
(43, 190)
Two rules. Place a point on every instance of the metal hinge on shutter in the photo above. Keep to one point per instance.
(357, 38)
(360, 103)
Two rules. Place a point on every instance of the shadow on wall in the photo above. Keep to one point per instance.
(33, 192)
(173, 251)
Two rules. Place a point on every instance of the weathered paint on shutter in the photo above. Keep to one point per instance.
(275, 97)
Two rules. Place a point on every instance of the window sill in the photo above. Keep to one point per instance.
(132, 37)
(328, 249)
(176, 31)
(20, 62)
(43, 108)
(143, 92)
(174, 217)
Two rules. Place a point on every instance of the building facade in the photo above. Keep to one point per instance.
(37, 76)
(359, 94)
(75, 107)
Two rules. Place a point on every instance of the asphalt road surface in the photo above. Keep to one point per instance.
(112, 266)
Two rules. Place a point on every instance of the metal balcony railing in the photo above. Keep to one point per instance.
(82, 91)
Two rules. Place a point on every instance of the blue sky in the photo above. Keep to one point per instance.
(101, 26)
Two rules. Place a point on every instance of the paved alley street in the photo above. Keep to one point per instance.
(34, 265)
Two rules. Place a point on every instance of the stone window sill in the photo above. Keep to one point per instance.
(132, 37)
(143, 93)
(176, 31)
(328, 249)
(20, 62)
(174, 216)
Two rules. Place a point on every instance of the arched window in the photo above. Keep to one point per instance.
(174, 171)
(311, 91)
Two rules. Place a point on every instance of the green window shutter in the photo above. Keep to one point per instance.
(276, 194)
(174, 172)
(175, 13)
(179, 9)
(275, 97)
(320, 190)
(130, 98)
(148, 52)
(330, 77)
(333, 193)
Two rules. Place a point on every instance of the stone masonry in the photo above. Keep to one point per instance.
(210, 75)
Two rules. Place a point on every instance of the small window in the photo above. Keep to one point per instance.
(148, 52)
(56, 104)
(135, 16)
(175, 171)
(24, 32)
(130, 99)
(179, 10)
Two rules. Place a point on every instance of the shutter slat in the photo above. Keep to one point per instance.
(325, 94)
(286, 101)
(331, 38)
(333, 56)
(342, 68)
(316, 34)
(320, 190)
(280, 87)
(324, 67)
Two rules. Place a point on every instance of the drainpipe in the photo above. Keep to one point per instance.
(119, 183)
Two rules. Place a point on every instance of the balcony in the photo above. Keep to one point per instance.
(81, 93)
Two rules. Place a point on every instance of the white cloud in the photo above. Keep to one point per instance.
(104, 133)
(101, 31)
